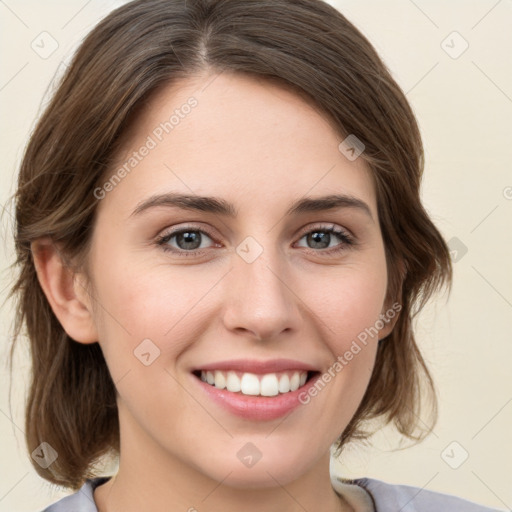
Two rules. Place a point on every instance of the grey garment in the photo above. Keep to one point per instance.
(81, 501)
(386, 498)
(405, 498)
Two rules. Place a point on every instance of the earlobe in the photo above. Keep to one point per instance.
(388, 319)
(61, 288)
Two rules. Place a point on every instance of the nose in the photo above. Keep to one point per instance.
(259, 297)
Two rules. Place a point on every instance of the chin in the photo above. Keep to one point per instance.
(266, 472)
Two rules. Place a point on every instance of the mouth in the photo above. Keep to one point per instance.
(255, 390)
(256, 384)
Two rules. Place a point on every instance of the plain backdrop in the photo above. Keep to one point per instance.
(453, 61)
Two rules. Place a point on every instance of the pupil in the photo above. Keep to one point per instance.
(189, 242)
(317, 236)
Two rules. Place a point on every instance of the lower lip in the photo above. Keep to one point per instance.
(256, 407)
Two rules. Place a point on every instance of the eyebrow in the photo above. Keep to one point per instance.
(222, 207)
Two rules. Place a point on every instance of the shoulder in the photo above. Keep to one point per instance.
(390, 497)
(81, 501)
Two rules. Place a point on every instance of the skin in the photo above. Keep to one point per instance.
(260, 147)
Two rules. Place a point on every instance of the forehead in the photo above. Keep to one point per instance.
(239, 137)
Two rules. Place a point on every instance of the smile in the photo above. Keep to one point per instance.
(255, 390)
(268, 384)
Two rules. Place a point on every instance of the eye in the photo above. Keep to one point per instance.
(322, 236)
(188, 240)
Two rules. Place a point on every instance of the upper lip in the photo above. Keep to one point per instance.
(255, 366)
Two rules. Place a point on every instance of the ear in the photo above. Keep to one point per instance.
(64, 291)
(393, 305)
(389, 317)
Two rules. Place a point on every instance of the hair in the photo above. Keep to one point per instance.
(306, 45)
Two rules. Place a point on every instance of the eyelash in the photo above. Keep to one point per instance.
(347, 240)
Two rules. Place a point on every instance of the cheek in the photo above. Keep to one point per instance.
(150, 315)
(348, 309)
(348, 304)
(347, 301)
(141, 300)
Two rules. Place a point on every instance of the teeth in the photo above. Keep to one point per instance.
(269, 384)
(250, 384)
(284, 384)
(294, 382)
(220, 380)
(232, 382)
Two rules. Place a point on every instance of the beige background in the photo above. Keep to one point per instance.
(464, 106)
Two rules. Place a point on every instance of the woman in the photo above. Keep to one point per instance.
(221, 248)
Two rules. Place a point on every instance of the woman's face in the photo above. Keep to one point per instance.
(251, 281)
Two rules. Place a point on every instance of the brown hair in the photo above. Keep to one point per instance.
(304, 44)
